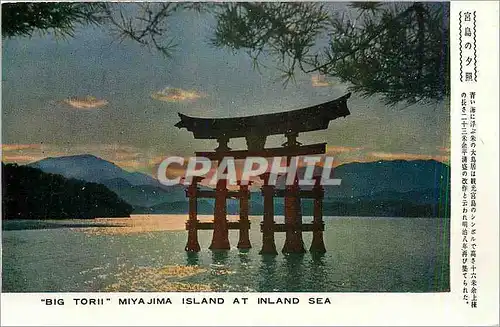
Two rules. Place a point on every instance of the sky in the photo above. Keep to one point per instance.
(119, 101)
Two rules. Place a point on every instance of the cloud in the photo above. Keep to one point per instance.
(125, 156)
(15, 147)
(147, 159)
(170, 94)
(175, 170)
(407, 156)
(134, 164)
(22, 153)
(86, 103)
(20, 158)
(341, 149)
(443, 149)
(319, 80)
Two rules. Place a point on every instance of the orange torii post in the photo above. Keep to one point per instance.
(192, 224)
(268, 225)
(293, 211)
(220, 236)
(317, 244)
(293, 220)
(244, 195)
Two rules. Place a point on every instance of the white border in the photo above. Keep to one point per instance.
(346, 308)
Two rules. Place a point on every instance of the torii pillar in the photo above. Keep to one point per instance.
(293, 220)
(244, 241)
(293, 212)
(317, 244)
(268, 245)
(220, 237)
(192, 223)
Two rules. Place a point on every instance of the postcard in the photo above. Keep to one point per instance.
(249, 163)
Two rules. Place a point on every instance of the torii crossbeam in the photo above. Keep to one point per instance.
(255, 130)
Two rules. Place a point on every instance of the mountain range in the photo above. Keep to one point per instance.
(30, 193)
(381, 188)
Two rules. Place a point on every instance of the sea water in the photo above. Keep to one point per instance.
(364, 254)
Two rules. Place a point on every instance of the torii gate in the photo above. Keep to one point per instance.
(255, 130)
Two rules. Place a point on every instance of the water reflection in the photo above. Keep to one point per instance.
(219, 257)
(369, 264)
(172, 278)
(294, 263)
(318, 272)
(244, 256)
(192, 258)
(267, 277)
(318, 259)
(221, 269)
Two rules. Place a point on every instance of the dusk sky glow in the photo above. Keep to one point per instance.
(119, 101)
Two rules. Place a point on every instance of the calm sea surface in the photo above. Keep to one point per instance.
(147, 254)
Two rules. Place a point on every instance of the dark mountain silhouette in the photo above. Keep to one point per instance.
(29, 193)
(401, 176)
(371, 178)
(90, 168)
(145, 195)
(418, 188)
(382, 188)
(140, 190)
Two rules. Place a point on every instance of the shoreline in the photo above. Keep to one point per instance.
(144, 223)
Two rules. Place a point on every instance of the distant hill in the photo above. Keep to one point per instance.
(399, 176)
(90, 168)
(398, 187)
(138, 189)
(29, 193)
(145, 195)
(371, 178)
